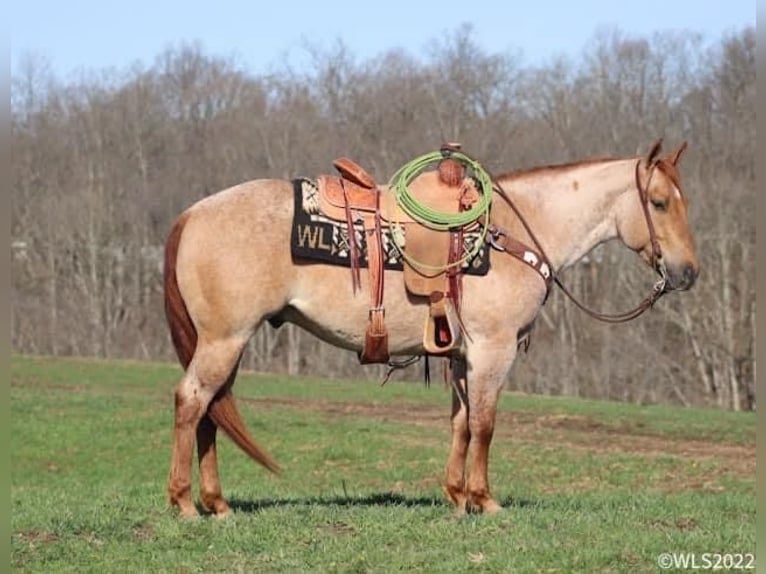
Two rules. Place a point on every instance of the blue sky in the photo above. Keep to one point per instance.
(91, 35)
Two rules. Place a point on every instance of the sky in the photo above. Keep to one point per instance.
(76, 36)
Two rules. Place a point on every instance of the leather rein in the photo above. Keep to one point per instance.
(499, 239)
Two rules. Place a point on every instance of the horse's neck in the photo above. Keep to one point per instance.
(570, 210)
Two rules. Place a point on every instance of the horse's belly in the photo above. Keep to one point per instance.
(325, 305)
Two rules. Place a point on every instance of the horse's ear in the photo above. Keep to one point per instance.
(654, 152)
(676, 155)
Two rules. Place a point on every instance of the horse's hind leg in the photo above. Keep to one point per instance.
(209, 483)
(209, 371)
(210, 492)
(189, 407)
(454, 484)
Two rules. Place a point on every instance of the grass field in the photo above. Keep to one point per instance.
(588, 486)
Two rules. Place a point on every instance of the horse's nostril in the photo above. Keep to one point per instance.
(689, 275)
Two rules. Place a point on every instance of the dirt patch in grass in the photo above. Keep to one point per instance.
(35, 537)
(572, 431)
(143, 533)
(337, 528)
(557, 430)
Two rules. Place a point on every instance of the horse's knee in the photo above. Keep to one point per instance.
(483, 433)
(481, 420)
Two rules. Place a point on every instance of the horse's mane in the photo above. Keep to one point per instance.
(665, 166)
(541, 169)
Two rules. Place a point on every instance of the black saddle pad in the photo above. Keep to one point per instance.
(317, 238)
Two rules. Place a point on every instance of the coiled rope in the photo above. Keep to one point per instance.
(439, 220)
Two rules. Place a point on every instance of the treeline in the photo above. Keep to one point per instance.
(101, 166)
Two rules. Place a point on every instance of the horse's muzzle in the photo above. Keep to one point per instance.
(681, 278)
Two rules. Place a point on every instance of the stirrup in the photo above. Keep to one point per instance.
(442, 331)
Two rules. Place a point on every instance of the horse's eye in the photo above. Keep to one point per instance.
(660, 205)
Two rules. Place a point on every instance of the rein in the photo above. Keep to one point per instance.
(659, 288)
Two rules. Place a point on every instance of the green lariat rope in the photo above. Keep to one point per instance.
(435, 219)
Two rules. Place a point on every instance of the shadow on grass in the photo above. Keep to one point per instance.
(377, 499)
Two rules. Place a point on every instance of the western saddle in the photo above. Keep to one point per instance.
(432, 266)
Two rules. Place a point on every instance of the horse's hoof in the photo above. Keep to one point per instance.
(188, 513)
(484, 505)
(491, 507)
(215, 505)
(459, 511)
(223, 513)
(185, 507)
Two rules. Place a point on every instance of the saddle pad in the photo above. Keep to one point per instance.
(315, 237)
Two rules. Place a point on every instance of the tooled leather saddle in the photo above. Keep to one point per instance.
(432, 268)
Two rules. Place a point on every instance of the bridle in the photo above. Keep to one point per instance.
(658, 290)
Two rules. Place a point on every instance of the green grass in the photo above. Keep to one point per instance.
(588, 486)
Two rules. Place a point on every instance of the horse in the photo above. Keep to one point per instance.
(228, 269)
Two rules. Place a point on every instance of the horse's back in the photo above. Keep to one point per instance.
(252, 201)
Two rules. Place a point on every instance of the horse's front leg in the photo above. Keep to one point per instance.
(454, 484)
(486, 375)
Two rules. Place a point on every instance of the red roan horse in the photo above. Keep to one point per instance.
(220, 287)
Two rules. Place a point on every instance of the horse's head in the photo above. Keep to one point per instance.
(656, 222)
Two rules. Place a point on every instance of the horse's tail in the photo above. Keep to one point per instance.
(222, 409)
(182, 330)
